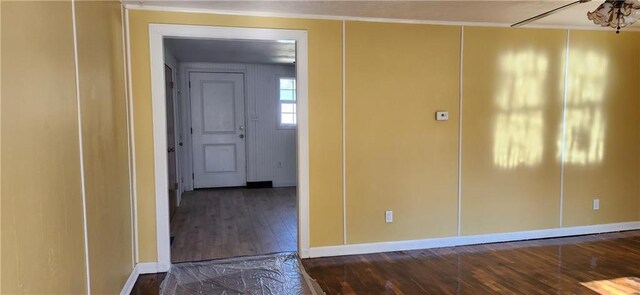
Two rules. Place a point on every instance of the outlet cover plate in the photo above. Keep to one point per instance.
(388, 216)
(442, 116)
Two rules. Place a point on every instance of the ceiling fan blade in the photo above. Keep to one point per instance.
(548, 13)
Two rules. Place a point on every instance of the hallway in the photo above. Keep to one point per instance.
(229, 222)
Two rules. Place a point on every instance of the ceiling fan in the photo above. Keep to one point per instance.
(612, 13)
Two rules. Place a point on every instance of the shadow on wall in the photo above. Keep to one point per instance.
(519, 126)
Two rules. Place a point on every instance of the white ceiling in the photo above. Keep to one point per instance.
(232, 51)
(478, 11)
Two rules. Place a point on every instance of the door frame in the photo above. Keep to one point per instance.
(176, 127)
(157, 32)
(185, 99)
(186, 69)
(177, 117)
(189, 122)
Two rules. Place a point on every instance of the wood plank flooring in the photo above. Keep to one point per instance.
(619, 286)
(220, 223)
(551, 266)
(148, 284)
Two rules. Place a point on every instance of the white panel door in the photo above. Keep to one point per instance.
(218, 130)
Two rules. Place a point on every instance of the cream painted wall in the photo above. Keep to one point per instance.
(602, 136)
(105, 143)
(399, 158)
(41, 206)
(325, 118)
(42, 231)
(43, 242)
(513, 85)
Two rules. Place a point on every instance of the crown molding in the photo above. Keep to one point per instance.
(133, 6)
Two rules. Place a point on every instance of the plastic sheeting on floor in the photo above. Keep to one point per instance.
(280, 274)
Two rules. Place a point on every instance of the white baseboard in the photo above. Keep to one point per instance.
(284, 183)
(141, 269)
(353, 249)
(131, 281)
(152, 267)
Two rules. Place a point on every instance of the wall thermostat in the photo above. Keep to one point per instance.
(442, 116)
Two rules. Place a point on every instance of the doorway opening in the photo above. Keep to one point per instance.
(232, 116)
(234, 123)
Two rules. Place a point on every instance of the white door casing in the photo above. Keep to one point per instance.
(157, 32)
(218, 129)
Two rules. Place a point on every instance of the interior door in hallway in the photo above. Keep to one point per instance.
(171, 141)
(218, 130)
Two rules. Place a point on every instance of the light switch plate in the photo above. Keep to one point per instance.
(388, 216)
(442, 116)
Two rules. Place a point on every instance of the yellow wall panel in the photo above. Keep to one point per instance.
(42, 226)
(511, 129)
(602, 138)
(398, 156)
(104, 134)
(325, 118)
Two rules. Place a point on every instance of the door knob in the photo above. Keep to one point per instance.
(241, 128)
(241, 135)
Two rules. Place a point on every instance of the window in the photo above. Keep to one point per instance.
(287, 101)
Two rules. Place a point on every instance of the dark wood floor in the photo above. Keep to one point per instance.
(222, 223)
(550, 266)
(148, 284)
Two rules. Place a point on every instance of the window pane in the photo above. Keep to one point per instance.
(286, 83)
(288, 108)
(289, 95)
(287, 101)
(288, 119)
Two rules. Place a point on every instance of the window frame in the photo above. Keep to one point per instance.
(280, 102)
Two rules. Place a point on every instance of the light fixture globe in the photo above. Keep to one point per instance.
(616, 14)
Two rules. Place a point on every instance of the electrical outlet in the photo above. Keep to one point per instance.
(388, 216)
(442, 116)
(596, 204)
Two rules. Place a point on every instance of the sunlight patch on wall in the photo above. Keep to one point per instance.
(519, 125)
(585, 123)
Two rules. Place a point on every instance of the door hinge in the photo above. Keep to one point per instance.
(171, 85)
(191, 130)
(189, 84)
(193, 176)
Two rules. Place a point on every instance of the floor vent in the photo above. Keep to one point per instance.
(260, 184)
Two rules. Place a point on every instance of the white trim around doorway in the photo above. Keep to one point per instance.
(157, 32)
